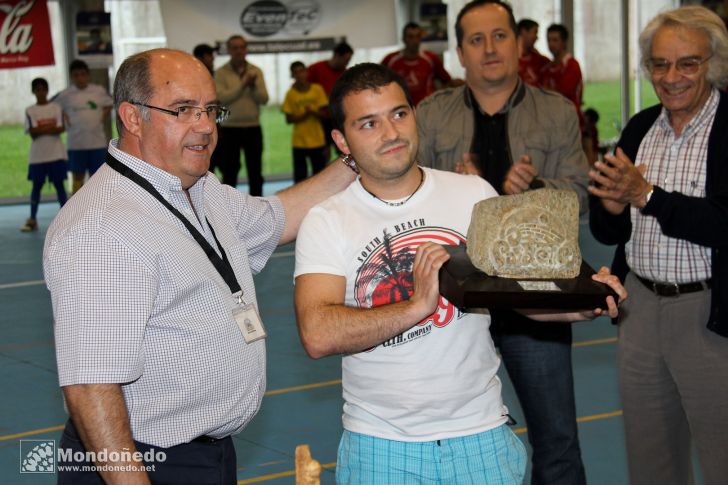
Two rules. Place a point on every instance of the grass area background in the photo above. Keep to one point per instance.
(605, 98)
(14, 143)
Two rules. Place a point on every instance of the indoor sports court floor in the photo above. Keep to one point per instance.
(303, 402)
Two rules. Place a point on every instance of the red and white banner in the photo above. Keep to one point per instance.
(25, 34)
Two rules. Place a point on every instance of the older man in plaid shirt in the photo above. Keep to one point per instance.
(669, 214)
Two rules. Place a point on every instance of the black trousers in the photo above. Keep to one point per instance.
(227, 156)
(317, 156)
(200, 462)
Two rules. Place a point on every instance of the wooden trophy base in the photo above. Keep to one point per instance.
(467, 287)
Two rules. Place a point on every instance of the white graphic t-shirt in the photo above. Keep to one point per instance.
(438, 379)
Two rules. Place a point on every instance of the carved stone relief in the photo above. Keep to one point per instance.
(533, 235)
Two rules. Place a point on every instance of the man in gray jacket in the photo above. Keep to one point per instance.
(518, 138)
(241, 88)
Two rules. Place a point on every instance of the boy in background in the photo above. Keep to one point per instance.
(85, 107)
(305, 107)
(47, 158)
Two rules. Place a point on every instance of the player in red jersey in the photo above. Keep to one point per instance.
(326, 73)
(530, 60)
(420, 68)
(563, 74)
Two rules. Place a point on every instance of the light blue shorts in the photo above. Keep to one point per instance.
(496, 456)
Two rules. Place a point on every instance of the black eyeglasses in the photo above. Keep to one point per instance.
(192, 114)
(684, 65)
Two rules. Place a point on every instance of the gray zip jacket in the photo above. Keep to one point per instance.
(540, 123)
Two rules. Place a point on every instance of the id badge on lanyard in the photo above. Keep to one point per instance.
(245, 315)
(248, 319)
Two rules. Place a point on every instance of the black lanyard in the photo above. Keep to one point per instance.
(222, 265)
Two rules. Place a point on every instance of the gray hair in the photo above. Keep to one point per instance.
(693, 18)
(133, 84)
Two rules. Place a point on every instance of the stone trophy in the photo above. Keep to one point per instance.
(523, 252)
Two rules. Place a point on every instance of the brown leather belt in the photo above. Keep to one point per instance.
(674, 289)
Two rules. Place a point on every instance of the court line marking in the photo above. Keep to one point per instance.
(595, 417)
(31, 433)
(583, 419)
(304, 387)
(316, 385)
(21, 284)
(599, 341)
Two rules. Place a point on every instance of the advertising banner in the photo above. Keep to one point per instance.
(280, 25)
(25, 34)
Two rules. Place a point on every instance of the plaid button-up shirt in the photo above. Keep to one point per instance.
(676, 164)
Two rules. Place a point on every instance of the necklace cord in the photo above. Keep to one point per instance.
(401, 202)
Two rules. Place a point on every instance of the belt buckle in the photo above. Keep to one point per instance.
(666, 289)
(671, 289)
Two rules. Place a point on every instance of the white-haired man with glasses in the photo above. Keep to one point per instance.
(668, 212)
(160, 347)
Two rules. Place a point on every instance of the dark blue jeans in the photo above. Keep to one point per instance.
(537, 357)
(194, 463)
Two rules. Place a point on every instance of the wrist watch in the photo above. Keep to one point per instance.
(349, 161)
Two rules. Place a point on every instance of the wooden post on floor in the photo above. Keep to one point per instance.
(308, 470)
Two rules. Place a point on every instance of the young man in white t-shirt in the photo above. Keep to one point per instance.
(86, 106)
(422, 398)
(47, 157)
